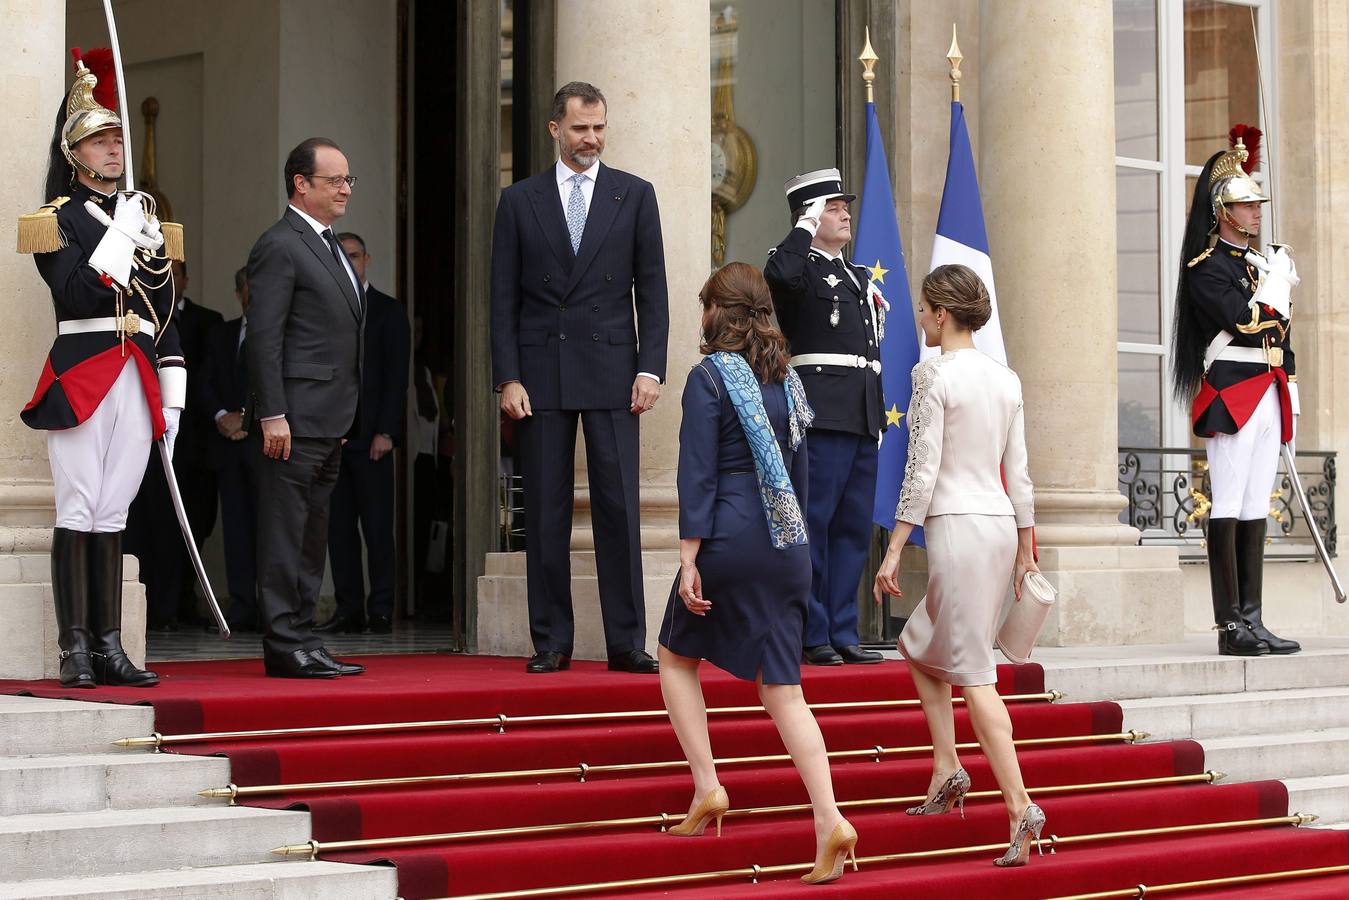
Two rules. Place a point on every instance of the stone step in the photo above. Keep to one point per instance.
(29, 725)
(36, 568)
(95, 781)
(116, 841)
(1189, 669)
(260, 881)
(1295, 754)
(1250, 713)
(1325, 795)
(583, 563)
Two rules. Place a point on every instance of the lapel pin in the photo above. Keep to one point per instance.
(832, 280)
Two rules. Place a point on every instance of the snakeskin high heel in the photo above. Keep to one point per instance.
(712, 806)
(1032, 820)
(951, 794)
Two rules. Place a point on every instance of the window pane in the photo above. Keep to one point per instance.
(1139, 255)
(1221, 79)
(1136, 78)
(1140, 400)
(774, 114)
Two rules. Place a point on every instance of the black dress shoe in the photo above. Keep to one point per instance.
(343, 668)
(823, 655)
(639, 662)
(381, 625)
(296, 664)
(857, 656)
(340, 624)
(547, 661)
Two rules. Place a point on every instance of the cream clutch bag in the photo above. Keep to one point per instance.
(1016, 637)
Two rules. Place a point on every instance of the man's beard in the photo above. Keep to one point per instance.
(584, 159)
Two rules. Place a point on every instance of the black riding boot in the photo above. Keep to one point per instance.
(70, 590)
(1235, 637)
(1250, 583)
(111, 664)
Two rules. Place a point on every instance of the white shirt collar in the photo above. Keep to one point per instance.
(314, 223)
(563, 172)
(826, 254)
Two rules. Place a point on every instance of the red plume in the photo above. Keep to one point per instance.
(99, 61)
(1250, 136)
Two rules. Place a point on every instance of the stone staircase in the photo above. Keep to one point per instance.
(1284, 717)
(79, 819)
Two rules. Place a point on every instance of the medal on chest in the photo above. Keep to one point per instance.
(833, 280)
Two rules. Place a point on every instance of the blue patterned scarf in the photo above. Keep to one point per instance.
(785, 522)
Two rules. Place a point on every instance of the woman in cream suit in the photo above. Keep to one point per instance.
(966, 436)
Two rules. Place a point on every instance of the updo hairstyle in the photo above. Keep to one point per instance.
(961, 293)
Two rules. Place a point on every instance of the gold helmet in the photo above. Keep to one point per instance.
(88, 106)
(1230, 181)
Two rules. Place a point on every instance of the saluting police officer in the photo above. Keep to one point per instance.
(833, 318)
(1231, 356)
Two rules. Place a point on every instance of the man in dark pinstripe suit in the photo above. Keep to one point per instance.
(579, 325)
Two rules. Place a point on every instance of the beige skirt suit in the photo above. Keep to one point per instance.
(966, 437)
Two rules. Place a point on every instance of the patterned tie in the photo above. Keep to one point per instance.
(576, 212)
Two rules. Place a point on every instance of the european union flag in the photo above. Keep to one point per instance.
(877, 246)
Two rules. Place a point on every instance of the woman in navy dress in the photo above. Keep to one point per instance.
(740, 598)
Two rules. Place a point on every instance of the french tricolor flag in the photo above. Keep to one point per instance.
(961, 237)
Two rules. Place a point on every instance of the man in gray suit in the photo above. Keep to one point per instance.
(306, 319)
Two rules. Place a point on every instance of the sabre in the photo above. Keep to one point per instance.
(1303, 502)
(164, 455)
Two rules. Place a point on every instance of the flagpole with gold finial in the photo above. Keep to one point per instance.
(868, 59)
(953, 55)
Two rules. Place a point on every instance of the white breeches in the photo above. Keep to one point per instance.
(1243, 466)
(98, 465)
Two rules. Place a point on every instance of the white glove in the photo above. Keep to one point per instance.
(810, 219)
(171, 416)
(1278, 278)
(129, 216)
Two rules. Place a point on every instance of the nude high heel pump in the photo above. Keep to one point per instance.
(842, 844)
(1018, 852)
(712, 806)
(950, 795)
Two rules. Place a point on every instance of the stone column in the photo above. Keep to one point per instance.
(1047, 107)
(651, 61)
(34, 67)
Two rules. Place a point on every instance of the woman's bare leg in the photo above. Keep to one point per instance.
(683, 694)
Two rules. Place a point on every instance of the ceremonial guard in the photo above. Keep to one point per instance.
(114, 379)
(834, 318)
(1232, 358)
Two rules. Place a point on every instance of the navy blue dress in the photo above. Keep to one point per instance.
(758, 593)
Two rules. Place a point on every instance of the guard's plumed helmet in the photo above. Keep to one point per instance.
(1230, 181)
(91, 102)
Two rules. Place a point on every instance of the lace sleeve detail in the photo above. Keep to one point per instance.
(925, 442)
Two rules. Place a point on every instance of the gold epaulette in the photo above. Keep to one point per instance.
(1198, 259)
(40, 232)
(173, 240)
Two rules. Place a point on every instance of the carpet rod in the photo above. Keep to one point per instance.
(1147, 890)
(232, 792)
(500, 721)
(755, 872)
(312, 849)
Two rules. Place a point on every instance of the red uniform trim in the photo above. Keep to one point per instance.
(1242, 398)
(86, 383)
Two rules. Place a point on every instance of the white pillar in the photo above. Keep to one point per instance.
(1048, 108)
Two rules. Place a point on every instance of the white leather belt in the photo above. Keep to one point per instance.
(846, 360)
(1272, 356)
(132, 323)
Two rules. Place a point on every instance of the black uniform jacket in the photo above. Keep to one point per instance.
(1222, 287)
(81, 368)
(807, 287)
(563, 323)
(384, 379)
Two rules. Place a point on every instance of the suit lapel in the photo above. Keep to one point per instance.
(547, 205)
(319, 247)
(604, 204)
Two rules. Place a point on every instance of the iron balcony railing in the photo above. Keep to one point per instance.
(1169, 495)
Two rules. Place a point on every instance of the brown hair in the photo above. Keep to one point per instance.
(587, 93)
(737, 317)
(961, 293)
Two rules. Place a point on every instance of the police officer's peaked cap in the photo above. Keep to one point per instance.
(822, 183)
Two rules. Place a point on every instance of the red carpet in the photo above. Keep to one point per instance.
(233, 695)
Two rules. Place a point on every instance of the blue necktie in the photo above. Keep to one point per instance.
(576, 212)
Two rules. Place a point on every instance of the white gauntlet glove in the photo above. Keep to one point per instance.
(1278, 277)
(171, 417)
(810, 219)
